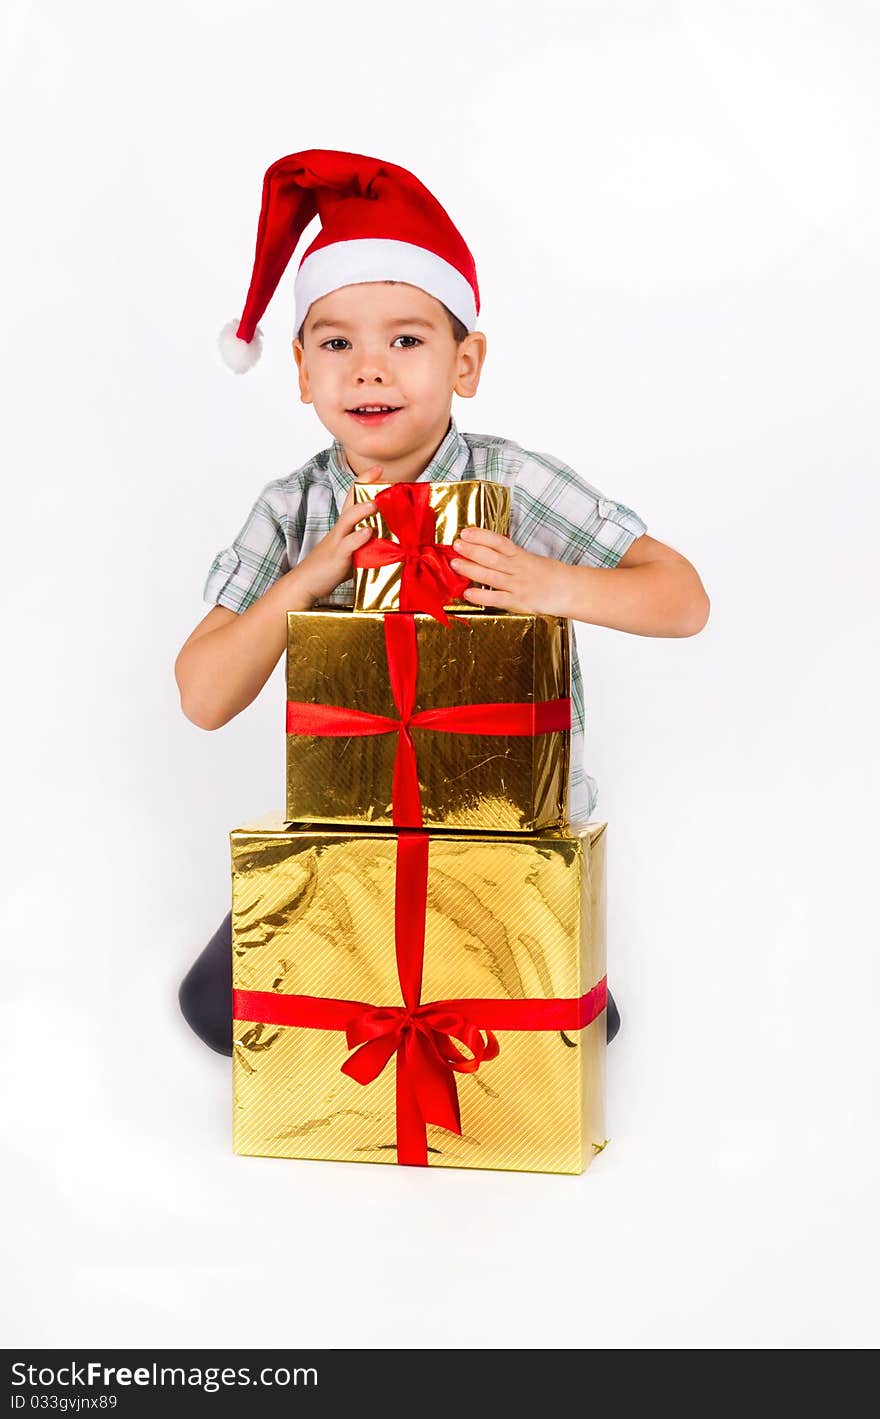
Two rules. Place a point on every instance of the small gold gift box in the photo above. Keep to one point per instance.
(471, 503)
(353, 979)
(479, 739)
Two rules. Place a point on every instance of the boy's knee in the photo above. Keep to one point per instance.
(205, 1015)
(205, 993)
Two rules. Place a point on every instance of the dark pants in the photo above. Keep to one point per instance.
(205, 993)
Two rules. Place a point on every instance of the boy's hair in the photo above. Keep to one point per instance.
(459, 332)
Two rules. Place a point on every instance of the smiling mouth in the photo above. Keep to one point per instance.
(364, 410)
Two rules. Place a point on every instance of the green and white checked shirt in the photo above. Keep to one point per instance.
(553, 512)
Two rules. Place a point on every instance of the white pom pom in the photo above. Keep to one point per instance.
(239, 355)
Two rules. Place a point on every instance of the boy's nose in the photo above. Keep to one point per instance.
(372, 369)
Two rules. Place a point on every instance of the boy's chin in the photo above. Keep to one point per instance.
(368, 438)
(387, 443)
(375, 443)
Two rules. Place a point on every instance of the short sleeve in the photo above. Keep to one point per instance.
(254, 560)
(559, 514)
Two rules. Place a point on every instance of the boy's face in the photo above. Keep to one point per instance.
(385, 343)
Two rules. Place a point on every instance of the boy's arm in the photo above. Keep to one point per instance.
(226, 661)
(653, 590)
(224, 664)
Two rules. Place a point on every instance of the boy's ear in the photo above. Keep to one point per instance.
(299, 355)
(471, 354)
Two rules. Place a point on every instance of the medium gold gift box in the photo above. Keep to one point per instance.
(489, 781)
(468, 503)
(510, 924)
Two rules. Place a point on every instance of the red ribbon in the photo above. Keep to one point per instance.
(427, 581)
(401, 647)
(421, 1036)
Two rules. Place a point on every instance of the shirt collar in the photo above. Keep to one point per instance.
(449, 465)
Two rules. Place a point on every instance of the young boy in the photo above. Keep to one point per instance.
(386, 306)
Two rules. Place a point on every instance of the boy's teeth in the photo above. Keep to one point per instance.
(374, 409)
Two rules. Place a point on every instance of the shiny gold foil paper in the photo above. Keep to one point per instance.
(508, 917)
(488, 782)
(472, 503)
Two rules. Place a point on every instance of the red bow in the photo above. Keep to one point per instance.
(401, 648)
(423, 1040)
(427, 581)
(421, 1036)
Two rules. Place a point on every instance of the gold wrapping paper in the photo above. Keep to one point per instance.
(471, 503)
(488, 782)
(507, 917)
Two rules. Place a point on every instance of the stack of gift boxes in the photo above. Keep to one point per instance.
(419, 940)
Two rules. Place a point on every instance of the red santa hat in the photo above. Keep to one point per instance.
(378, 223)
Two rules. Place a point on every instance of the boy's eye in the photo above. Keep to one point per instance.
(414, 338)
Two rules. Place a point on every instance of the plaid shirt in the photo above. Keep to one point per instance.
(553, 512)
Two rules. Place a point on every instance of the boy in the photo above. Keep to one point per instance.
(386, 306)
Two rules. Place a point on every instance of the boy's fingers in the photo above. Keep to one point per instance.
(502, 599)
(485, 538)
(477, 571)
(354, 514)
(488, 557)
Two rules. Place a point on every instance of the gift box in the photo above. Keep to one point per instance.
(397, 719)
(405, 565)
(419, 998)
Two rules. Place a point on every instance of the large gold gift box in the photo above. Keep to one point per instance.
(507, 919)
(491, 782)
(469, 503)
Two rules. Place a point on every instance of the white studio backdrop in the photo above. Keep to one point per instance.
(673, 209)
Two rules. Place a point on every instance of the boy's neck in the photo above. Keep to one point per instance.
(405, 469)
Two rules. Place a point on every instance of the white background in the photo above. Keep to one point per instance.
(673, 209)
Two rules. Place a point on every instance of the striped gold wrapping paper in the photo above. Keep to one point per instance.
(468, 503)
(508, 917)
(486, 782)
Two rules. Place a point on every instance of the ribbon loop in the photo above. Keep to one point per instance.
(423, 1038)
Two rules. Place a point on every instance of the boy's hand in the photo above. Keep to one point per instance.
(517, 580)
(330, 561)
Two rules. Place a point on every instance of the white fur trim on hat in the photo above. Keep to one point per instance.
(239, 355)
(349, 263)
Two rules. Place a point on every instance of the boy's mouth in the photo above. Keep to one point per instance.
(373, 413)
